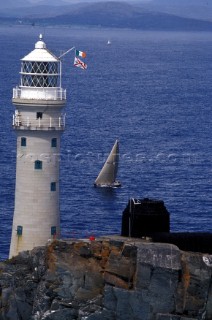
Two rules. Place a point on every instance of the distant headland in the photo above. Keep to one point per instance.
(151, 15)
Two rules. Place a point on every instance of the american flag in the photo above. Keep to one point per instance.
(79, 63)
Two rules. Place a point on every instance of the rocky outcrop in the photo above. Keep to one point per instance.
(106, 279)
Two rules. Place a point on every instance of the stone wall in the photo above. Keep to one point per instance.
(112, 278)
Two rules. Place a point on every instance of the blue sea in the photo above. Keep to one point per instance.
(150, 90)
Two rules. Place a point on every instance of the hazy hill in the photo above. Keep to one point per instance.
(125, 15)
(147, 15)
(40, 11)
(14, 4)
(198, 9)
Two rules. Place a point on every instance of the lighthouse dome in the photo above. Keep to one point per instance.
(40, 53)
(40, 44)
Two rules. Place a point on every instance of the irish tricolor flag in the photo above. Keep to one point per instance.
(80, 54)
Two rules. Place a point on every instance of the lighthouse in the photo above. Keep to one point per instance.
(38, 121)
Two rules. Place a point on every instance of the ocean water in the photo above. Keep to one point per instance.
(150, 90)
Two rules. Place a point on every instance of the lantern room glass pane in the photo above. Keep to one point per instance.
(40, 67)
(40, 74)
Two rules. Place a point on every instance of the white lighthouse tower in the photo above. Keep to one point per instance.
(39, 122)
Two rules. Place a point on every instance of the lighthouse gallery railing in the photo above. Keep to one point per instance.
(36, 124)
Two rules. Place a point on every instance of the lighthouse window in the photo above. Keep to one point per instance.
(54, 142)
(53, 186)
(23, 142)
(53, 231)
(19, 230)
(38, 164)
(39, 115)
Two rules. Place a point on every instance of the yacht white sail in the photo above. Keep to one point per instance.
(107, 176)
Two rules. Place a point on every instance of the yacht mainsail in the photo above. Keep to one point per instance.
(107, 176)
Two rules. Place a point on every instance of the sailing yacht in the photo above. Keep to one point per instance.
(107, 176)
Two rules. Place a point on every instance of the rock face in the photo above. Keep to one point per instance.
(106, 279)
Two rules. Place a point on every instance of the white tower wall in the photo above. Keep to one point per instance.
(39, 122)
(36, 206)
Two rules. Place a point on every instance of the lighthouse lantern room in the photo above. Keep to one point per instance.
(39, 121)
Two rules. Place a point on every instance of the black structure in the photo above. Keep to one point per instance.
(187, 241)
(150, 218)
(142, 217)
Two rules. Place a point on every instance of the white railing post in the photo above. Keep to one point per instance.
(59, 122)
(50, 122)
(13, 119)
(27, 121)
(39, 122)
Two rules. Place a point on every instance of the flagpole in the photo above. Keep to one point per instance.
(66, 52)
(60, 74)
